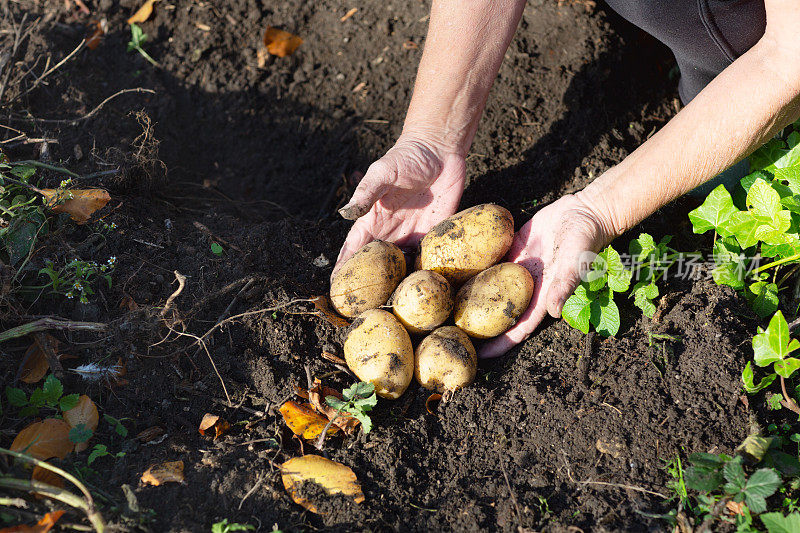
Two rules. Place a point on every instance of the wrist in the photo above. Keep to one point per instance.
(434, 138)
(605, 205)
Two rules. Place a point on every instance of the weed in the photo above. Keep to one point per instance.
(76, 278)
(359, 399)
(49, 396)
(224, 526)
(138, 38)
(216, 249)
(101, 450)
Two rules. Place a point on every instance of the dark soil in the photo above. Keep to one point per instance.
(564, 432)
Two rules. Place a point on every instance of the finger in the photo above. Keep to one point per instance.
(358, 236)
(528, 322)
(565, 276)
(371, 188)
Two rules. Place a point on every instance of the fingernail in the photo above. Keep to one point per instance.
(353, 211)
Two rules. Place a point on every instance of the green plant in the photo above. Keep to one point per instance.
(359, 399)
(22, 216)
(677, 484)
(216, 249)
(76, 278)
(224, 526)
(101, 450)
(592, 303)
(650, 261)
(138, 38)
(120, 429)
(49, 395)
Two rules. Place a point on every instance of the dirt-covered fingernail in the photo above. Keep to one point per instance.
(353, 211)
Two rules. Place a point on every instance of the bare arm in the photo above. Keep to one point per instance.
(743, 107)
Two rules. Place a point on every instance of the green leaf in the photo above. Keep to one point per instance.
(335, 402)
(777, 523)
(786, 367)
(747, 378)
(641, 247)
(731, 274)
(119, 428)
(619, 277)
(362, 389)
(766, 156)
(604, 314)
(702, 478)
(366, 404)
(743, 225)
(23, 171)
(763, 297)
(714, 213)
(99, 450)
(734, 475)
(38, 398)
(643, 296)
(708, 460)
(774, 402)
(773, 344)
(80, 433)
(764, 482)
(216, 249)
(763, 200)
(20, 236)
(70, 401)
(16, 397)
(52, 390)
(786, 464)
(577, 310)
(366, 421)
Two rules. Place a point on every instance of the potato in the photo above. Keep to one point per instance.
(468, 242)
(445, 360)
(367, 279)
(378, 349)
(423, 301)
(490, 303)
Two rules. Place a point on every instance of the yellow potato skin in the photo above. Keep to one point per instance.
(422, 301)
(468, 242)
(367, 279)
(445, 360)
(490, 303)
(378, 349)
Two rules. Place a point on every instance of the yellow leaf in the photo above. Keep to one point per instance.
(169, 472)
(334, 477)
(281, 43)
(304, 421)
(213, 421)
(84, 413)
(44, 525)
(323, 306)
(43, 440)
(79, 203)
(143, 13)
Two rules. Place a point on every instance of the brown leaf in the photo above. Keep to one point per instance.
(433, 402)
(334, 477)
(316, 397)
(169, 472)
(44, 525)
(281, 43)
(323, 306)
(213, 421)
(34, 363)
(304, 421)
(150, 434)
(44, 475)
(79, 203)
(735, 508)
(333, 358)
(128, 303)
(43, 440)
(143, 13)
(84, 413)
(94, 40)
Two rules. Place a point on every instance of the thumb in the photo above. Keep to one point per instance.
(371, 188)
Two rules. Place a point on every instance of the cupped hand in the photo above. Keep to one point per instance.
(416, 185)
(551, 246)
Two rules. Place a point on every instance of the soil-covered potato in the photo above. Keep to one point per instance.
(423, 301)
(367, 279)
(490, 303)
(468, 242)
(378, 349)
(445, 360)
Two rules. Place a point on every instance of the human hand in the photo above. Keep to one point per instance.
(551, 246)
(416, 185)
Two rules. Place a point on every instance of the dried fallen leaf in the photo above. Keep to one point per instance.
(213, 421)
(281, 43)
(323, 306)
(169, 472)
(410, 45)
(304, 421)
(43, 440)
(44, 475)
(128, 303)
(433, 402)
(44, 525)
(334, 477)
(79, 203)
(84, 413)
(94, 40)
(143, 13)
(333, 358)
(316, 396)
(34, 363)
(735, 508)
(150, 434)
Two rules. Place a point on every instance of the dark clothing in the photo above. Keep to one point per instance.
(705, 35)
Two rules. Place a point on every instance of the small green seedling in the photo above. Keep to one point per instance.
(101, 450)
(224, 526)
(359, 399)
(592, 303)
(216, 249)
(75, 279)
(138, 38)
(49, 395)
(651, 261)
(121, 430)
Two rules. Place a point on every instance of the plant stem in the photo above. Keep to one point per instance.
(23, 184)
(39, 164)
(147, 56)
(65, 496)
(47, 323)
(777, 263)
(788, 402)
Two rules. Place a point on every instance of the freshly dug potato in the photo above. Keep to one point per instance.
(468, 242)
(422, 301)
(490, 303)
(378, 349)
(367, 279)
(445, 360)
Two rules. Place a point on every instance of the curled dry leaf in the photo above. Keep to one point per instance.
(281, 43)
(34, 363)
(334, 477)
(316, 397)
(304, 421)
(96, 37)
(433, 402)
(44, 440)
(143, 13)
(219, 425)
(169, 472)
(323, 306)
(150, 434)
(84, 413)
(78, 203)
(45, 524)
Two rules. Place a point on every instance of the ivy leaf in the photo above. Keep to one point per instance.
(792, 155)
(604, 314)
(743, 225)
(731, 274)
(773, 344)
(749, 385)
(714, 213)
(766, 156)
(763, 199)
(786, 367)
(763, 297)
(576, 310)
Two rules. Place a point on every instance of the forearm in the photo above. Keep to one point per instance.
(743, 107)
(466, 43)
